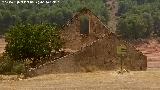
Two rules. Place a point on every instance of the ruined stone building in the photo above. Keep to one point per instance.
(92, 47)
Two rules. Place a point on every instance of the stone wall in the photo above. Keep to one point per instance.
(98, 55)
(71, 31)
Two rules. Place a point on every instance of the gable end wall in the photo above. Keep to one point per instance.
(99, 55)
(71, 32)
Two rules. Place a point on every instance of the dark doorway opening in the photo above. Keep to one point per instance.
(84, 25)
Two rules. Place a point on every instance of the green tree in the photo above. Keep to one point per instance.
(133, 27)
(32, 42)
(58, 13)
(139, 18)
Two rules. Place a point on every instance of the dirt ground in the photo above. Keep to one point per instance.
(151, 48)
(149, 80)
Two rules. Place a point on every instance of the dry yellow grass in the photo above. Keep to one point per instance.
(143, 80)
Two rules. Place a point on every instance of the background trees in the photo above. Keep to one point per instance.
(51, 13)
(139, 18)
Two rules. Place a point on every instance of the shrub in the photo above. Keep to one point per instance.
(8, 66)
(18, 68)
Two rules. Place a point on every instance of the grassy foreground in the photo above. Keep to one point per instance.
(143, 80)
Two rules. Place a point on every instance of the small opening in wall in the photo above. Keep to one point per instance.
(84, 25)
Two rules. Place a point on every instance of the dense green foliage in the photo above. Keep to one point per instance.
(139, 18)
(51, 13)
(32, 42)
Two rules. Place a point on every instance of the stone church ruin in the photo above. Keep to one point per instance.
(92, 47)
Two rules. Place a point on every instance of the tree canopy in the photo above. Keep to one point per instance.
(139, 18)
(51, 13)
(32, 42)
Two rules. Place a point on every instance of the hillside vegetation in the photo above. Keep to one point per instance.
(51, 13)
(139, 18)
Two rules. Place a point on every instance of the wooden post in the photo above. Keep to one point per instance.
(121, 51)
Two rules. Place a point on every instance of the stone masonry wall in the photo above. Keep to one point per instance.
(71, 31)
(99, 55)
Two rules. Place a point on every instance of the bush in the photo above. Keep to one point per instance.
(18, 68)
(32, 42)
(8, 66)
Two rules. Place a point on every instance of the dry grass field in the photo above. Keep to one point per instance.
(143, 80)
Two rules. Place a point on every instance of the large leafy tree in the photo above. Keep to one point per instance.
(32, 41)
